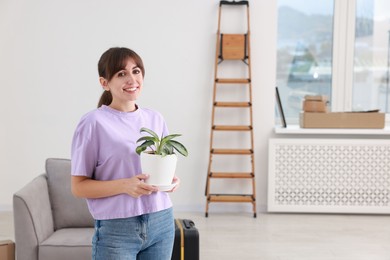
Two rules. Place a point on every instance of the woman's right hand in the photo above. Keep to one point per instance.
(136, 186)
(84, 187)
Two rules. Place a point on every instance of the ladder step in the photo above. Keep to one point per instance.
(232, 104)
(231, 151)
(232, 127)
(232, 175)
(233, 81)
(230, 198)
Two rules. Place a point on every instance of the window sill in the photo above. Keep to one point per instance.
(295, 129)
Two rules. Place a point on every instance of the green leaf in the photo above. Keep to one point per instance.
(151, 132)
(166, 140)
(169, 137)
(168, 148)
(144, 146)
(179, 147)
(140, 149)
(147, 138)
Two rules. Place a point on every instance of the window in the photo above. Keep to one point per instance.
(337, 48)
(371, 56)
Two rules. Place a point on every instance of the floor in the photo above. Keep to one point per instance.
(281, 236)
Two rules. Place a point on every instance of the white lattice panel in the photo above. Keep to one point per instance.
(329, 175)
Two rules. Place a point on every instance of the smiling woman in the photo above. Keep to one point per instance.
(106, 170)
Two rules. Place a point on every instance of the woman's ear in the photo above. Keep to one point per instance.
(104, 83)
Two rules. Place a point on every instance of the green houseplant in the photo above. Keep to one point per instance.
(158, 157)
(161, 146)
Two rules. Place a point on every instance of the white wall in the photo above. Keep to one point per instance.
(48, 70)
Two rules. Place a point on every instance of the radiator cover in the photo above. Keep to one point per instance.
(329, 175)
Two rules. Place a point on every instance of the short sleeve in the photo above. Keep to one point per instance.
(84, 149)
(160, 124)
(165, 129)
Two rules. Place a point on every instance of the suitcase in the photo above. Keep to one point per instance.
(186, 244)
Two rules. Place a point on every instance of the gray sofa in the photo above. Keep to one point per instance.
(50, 223)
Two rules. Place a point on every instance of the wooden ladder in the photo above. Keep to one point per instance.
(236, 48)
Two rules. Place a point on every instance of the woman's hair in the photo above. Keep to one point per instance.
(112, 61)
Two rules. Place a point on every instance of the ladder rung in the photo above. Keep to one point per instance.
(233, 81)
(232, 104)
(232, 175)
(232, 127)
(231, 151)
(230, 198)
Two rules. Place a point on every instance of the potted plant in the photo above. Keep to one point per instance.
(158, 157)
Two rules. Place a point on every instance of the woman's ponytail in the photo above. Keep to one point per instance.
(105, 99)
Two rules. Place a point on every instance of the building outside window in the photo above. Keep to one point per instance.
(337, 48)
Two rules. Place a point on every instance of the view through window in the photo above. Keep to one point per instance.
(305, 65)
(304, 52)
(371, 56)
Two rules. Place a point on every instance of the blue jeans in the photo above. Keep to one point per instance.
(145, 237)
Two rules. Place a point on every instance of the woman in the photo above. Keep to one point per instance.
(133, 220)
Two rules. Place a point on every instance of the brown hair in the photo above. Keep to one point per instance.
(112, 61)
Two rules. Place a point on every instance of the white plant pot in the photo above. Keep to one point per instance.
(160, 169)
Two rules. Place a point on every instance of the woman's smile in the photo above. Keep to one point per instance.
(131, 89)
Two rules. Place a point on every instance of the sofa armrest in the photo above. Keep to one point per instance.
(33, 218)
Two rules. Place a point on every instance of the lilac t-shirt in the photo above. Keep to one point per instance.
(103, 148)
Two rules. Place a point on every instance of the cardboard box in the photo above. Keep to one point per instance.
(342, 120)
(315, 106)
(317, 98)
(7, 250)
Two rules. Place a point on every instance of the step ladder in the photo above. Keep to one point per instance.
(234, 48)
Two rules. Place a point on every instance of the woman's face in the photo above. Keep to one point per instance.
(125, 86)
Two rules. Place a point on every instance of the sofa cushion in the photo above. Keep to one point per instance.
(68, 243)
(68, 211)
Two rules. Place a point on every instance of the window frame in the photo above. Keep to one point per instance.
(344, 26)
(343, 53)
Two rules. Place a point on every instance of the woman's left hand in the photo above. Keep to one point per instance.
(177, 181)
